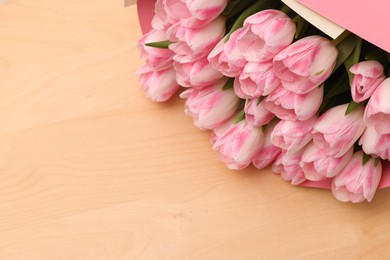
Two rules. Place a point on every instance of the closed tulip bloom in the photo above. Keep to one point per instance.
(368, 75)
(256, 113)
(206, 9)
(239, 144)
(317, 165)
(210, 106)
(161, 20)
(202, 39)
(178, 10)
(183, 53)
(227, 58)
(265, 34)
(375, 144)
(336, 132)
(156, 58)
(290, 106)
(170, 13)
(158, 85)
(218, 131)
(257, 79)
(287, 165)
(377, 113)
(292, 135)
(268, 152)
(357, 182)
(305, 64)
(196, 74)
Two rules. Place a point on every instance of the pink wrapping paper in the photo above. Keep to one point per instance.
(368, 19)
(145, 14)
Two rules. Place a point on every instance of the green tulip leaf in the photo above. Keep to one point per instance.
(160, 45)
(351, 107)
(365, 158)
(353, 58)
(240, 116)
(345, 48)
(260, 100)
(229, 84)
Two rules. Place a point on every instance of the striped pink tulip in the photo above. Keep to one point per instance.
(305, 64)
(336, 132)
(210, 106)
(377, 113)
(238, 146)
(357, 182)
(158, 85)
(368, 75)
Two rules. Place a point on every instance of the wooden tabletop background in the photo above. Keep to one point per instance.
(91, 169)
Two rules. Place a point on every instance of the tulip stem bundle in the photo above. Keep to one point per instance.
(274, 90)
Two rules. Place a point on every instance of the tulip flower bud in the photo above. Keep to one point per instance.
(317, 165)
(305, 64)
(292, 135)
(239, 144)
(357, 181)
(368, 75)
(210, 106)
(377, 113)
(268, 152)
(287, 164)
(159, 85)
(335, 132)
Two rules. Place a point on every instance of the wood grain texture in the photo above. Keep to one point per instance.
(91, 169)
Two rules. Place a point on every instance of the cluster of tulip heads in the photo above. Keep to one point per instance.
(273, 92)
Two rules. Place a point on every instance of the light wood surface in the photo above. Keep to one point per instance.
(91, 169)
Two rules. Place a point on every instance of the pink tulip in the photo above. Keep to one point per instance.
(317, 165)
(156, 58)
(287, 165)
(218, 131)
(239, 144)
(196, 74)
(210, 106)
(176, 9)
(227, 58)
(159, 85)
(357, 182)
(336, 132)
(202, 39)
(161, 20)
(206, 9)
(368, 75)
(184, 54)
(257, 79)
(305, 64)
(292, 135)
(265, 34)
(290, 106)
(268, 152)
(186, 13)
(256, 113)
(375, 144)
(377, 113)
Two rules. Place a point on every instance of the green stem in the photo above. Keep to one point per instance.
(285, 9)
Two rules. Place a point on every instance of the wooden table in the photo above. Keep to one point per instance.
(91, 169)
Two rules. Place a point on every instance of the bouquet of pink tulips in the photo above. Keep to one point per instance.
(274, 90)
